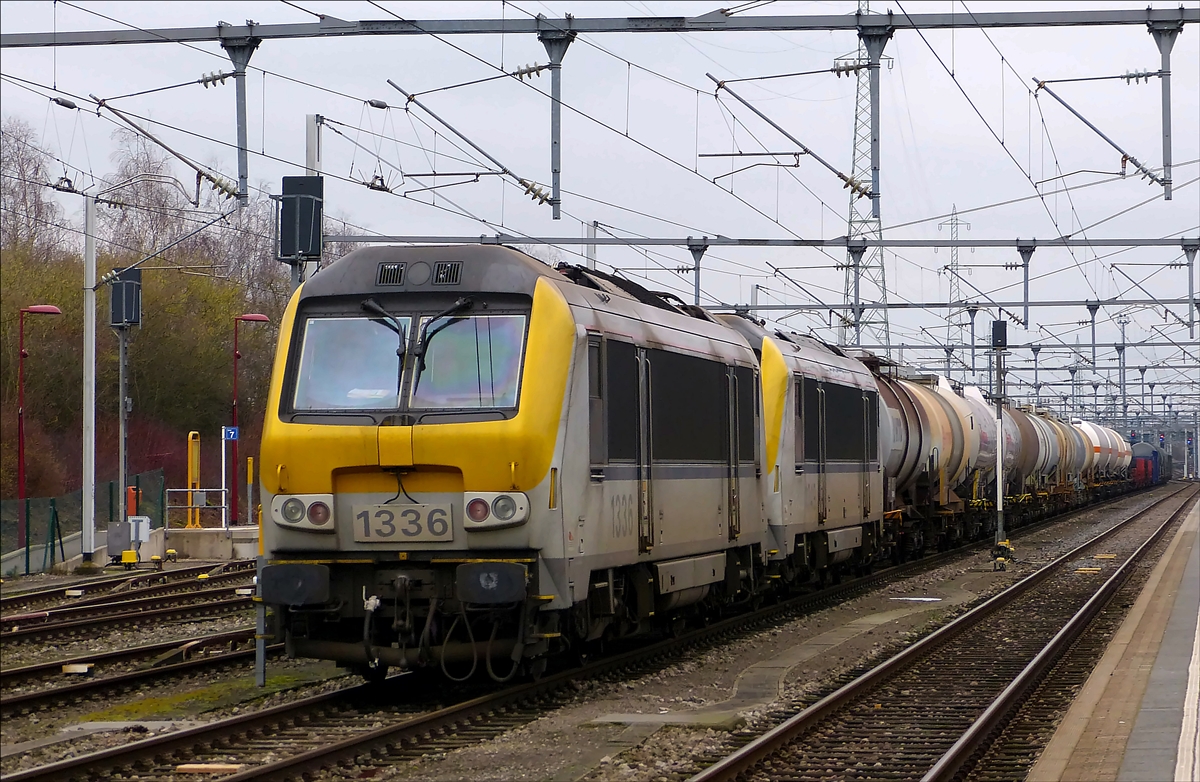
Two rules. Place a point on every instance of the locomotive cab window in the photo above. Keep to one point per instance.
(470, 362)
(348, 364)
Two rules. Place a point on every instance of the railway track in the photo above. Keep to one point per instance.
(26, 675)
(59, 622)
(929, 711)
(289, 741)
(113, 587)
(171, 661)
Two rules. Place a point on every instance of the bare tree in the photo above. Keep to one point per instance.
(551, 256)
(29, 215)
(148, 213)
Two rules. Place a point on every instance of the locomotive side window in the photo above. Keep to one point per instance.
(873, 425)
(798, 408)
(621, 385)
(596, 429)
(689, 408)
(348, 364)
(844, 422)
(747, 411)
(812, 420)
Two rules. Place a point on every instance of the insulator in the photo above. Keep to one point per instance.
(213, 79)
(530, 71)
(375, 103)
(1136, 77)
(221, 186)
(857, 187)
(65, 103)
(534, 191)
(377, 183)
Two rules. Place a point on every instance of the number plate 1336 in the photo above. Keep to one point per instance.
(394, 523)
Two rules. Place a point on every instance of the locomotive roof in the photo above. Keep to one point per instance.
(471, 268)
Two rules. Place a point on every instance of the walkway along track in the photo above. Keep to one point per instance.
(331, 729)
(924, 713)
(142, 583)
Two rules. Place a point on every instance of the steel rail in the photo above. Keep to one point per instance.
(10, 677)
(173, 588)
(180, 740)
(750, 755)
(55, 616)
(132, 617)
(107, 686)
(289, 768)
(116, 583)
(994, 717)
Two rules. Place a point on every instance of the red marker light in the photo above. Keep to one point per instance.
(478, 510)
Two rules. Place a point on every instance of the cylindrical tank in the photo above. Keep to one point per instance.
(1101, 447)
(1067, 447)
(1030, 451)
(982, 419)
(1082, 450)
(970, 432)
(945, 449)
(1089, 446)
(1124, 452)
(1114, 449)
(1013, 444)
(908, 449)
(1048, 450)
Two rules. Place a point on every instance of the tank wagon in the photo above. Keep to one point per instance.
(472, 460)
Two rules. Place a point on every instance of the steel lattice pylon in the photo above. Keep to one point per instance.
(956, 319)
(866, 279)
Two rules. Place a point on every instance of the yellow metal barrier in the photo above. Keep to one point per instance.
(193, 479)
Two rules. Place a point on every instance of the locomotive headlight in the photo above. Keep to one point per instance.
(304, 512)
(293, 510)
(504, 507)
(485, 510)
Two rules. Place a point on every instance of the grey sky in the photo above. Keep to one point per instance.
(937, 152)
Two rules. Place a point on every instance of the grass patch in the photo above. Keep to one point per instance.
(181, 705)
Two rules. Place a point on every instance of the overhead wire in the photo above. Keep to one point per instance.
(596, 121)
(354, 98)
(992, 131)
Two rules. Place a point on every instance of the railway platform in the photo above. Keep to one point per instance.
(1135, 720)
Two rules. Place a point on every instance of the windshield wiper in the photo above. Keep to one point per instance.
(462, 304)
(372, 306)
